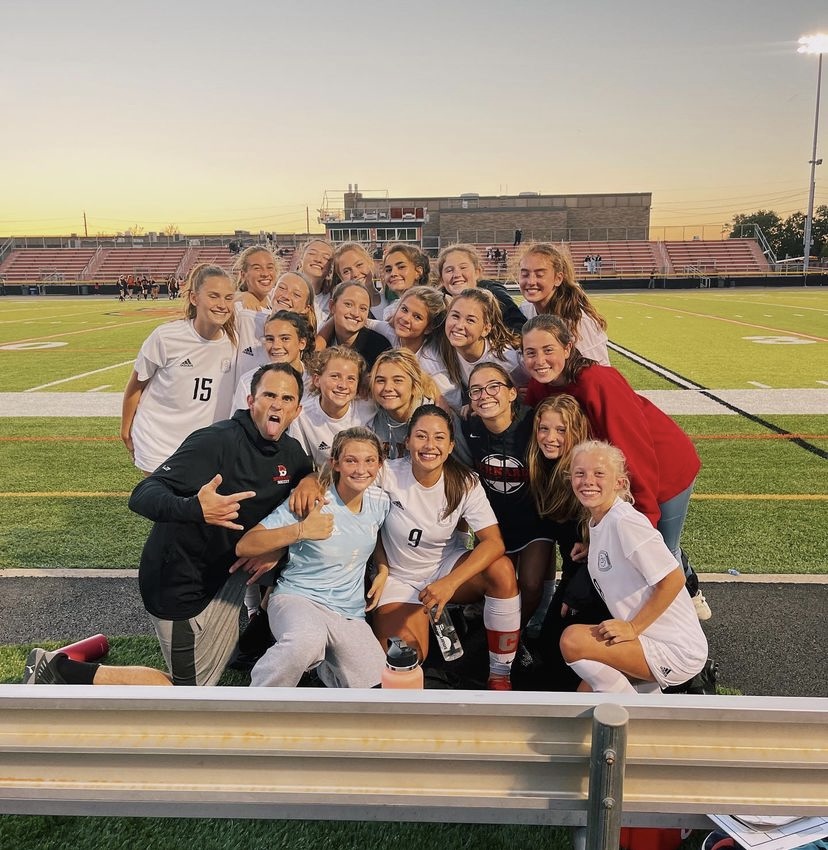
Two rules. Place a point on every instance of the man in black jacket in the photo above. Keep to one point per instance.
(221, 481)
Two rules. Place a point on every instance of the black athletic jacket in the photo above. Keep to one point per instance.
(185, 562)
(512, 317)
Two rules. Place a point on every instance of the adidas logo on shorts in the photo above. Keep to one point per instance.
(665, 671)
(249, 350)
(187, 363)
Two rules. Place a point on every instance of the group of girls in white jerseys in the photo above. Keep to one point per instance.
(445, 387)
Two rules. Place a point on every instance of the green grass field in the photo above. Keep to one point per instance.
(63, 480)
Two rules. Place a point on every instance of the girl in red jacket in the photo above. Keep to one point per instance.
(662, 460)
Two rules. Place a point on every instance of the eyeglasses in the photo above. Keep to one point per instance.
(492, 388)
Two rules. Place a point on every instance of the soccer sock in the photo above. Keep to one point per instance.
(75, 672)
(252, 599)
(501, 618)
(602, 678)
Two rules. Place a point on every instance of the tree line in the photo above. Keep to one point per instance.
(786, 236)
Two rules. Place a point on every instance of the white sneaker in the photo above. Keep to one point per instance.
(703, 611)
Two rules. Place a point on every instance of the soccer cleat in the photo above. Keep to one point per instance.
(41, 668)
(703, 611)
(499, 683)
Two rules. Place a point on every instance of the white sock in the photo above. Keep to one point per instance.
(601, 677)
(501, 618)
(648, 688)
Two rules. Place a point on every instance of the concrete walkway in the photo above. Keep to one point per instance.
(672, 402)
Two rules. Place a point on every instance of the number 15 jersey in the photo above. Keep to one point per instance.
(190, 387)
(415, 536)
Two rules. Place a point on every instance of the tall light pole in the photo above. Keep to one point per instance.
(816, 43)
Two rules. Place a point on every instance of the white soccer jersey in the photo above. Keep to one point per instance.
(415, 538)
(190, 387)
(592, 339)
(315, 430)
(243, 388)
(250, 330)
(627, 557)
(322, 307)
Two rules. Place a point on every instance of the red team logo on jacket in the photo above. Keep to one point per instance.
(280, 475)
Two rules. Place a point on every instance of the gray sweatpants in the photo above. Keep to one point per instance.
(310, 635)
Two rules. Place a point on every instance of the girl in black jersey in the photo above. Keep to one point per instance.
(498, 436)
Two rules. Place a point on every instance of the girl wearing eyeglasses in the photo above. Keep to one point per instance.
(498, 436)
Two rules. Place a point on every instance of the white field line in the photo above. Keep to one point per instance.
(666, 373)
(98, 389)
(725, 319)
(823, 382)
(85, 330)
(761, 386)
(40, 318)
(76, 377)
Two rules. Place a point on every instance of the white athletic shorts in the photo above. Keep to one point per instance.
(408, 589)
(670, 664)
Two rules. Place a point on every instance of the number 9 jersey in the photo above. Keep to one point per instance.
(191, 383)
(415, 536)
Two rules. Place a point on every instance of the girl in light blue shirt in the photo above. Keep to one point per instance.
(317, 609)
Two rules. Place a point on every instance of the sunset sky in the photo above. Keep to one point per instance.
(216, 116)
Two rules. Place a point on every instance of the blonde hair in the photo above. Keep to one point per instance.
(242, 263)
(326, 281)
(499, 337)
(344, 248)
(357, 434)
(464, 248)
(310, 312)
(549, 479)
(422, 386)
(616, 458)
(321, 359)
(195, 280)
(568, 300)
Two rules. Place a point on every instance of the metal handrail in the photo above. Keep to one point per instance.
(427, 755)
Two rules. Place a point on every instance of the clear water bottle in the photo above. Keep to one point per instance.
(402, 667)
(446, 634)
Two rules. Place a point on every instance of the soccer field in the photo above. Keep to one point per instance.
(759, 504)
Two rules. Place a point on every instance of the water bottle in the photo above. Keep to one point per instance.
(88, 649)
(446, 634)
(402, 667)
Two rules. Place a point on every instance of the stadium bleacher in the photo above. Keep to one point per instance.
(634, 258)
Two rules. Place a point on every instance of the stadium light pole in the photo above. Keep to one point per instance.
(818, 44)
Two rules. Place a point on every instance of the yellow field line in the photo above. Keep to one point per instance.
(758, 497)
(65, 494)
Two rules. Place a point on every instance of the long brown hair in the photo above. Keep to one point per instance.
(195, 280)
(549, 479)
(464, 248)
(457, 478)
(576, 362)
(499, 337)
(569, 299)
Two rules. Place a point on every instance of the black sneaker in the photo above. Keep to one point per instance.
(41, 668)
(703, 682)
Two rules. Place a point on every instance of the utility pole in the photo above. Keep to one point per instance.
(85, 231)
(307, 219)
